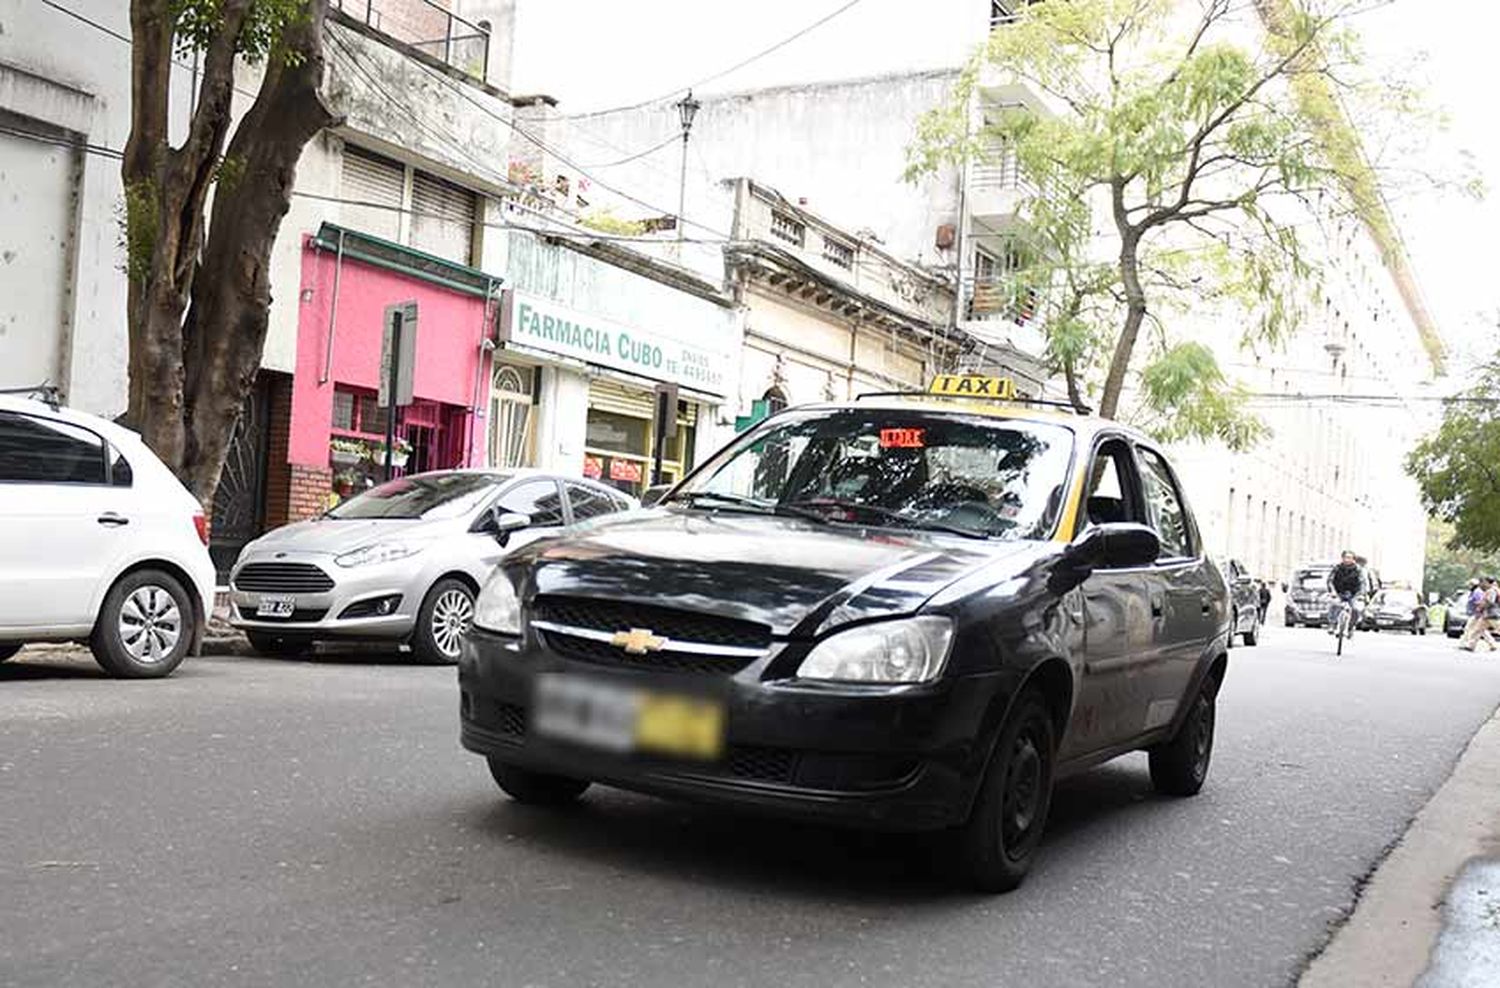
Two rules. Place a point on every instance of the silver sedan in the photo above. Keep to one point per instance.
(401, 562)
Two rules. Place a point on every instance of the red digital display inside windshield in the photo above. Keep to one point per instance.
(903, 438)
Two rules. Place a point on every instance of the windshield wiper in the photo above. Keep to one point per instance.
(753, 504)
(886, 514)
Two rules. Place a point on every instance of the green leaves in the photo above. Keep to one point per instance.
(198, 22)
(1186, 389)
(1458, 468)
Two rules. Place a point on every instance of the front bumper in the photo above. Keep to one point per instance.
(1403, 621)
(895, 758)
(1307, 613)
(320, 614)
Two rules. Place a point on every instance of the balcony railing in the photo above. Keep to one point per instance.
(1004, 172)
(1004, 303)
(428, 27)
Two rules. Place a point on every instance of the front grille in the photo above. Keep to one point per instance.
(680, 626)
(759, 764)
(282, 578)
(603, 653)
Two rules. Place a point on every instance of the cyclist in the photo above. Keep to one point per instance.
(1347, 580)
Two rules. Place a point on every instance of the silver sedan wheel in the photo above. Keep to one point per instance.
(150, 624)
(451, 616)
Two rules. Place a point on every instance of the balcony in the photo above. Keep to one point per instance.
(429, 27)
(996, 190)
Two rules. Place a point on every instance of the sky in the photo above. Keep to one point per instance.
(595, 54)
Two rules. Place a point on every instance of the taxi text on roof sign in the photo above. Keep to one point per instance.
(974, 386)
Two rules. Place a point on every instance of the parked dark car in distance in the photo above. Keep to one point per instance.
(1456, 615)
(1244, 601)
(1396, 609)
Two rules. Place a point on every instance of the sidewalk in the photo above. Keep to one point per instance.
(1430, 914)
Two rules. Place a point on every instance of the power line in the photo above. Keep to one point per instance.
(721, 74)
(93, 24)
(639, 154)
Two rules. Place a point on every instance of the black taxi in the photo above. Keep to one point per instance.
(910, 612)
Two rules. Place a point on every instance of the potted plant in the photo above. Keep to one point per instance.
(347, 452)
(400, 452)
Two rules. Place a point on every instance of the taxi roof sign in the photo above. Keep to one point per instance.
(974, 386)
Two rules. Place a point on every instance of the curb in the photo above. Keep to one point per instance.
(1388, 940)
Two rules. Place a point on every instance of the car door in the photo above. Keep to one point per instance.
(61, 521)
(1188, 595)
(1116, 613)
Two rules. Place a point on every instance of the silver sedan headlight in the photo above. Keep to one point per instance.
(498, 609)
(910, 650)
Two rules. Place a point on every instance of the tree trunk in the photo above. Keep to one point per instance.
(225, 332)
(196, 336)
(1135, 305)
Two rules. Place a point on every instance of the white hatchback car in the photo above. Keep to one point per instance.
(98, 542)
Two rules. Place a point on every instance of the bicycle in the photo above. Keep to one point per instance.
(1343, 622)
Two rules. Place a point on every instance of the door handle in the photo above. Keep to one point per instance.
(1156, 607)
(112, 520)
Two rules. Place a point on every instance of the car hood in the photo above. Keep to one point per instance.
(799, 577)
(334, 536)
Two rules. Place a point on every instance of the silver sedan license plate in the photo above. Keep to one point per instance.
(276, 605)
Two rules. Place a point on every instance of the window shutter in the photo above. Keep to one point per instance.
(370, 178)
(610, 396)
(442, 221)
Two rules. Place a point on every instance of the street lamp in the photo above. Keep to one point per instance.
(687, 109)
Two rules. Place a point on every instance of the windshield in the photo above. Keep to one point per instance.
(962, 474)
(1399, 598)
(431, 496)
(1313, 579)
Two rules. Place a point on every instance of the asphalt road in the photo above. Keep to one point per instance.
(254, 822)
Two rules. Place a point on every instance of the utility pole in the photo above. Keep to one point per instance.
(687, 109)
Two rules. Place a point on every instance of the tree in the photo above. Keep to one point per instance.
(1450, 568)
(1457, 468)
(199, 291)
(1205, 140)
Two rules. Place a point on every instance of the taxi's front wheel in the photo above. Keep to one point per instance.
(1179, 767)
(536, 788)
(998, 843)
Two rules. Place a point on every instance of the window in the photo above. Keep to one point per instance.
(589, 503)
(1164, 507)
(46, 451)
(120, 474)
(343, 410)
(446, 496)
(838, 252)
(1112, 496)
(775, 399)
(788, 228)
(538, 498)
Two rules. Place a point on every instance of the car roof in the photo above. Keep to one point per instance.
(1086, 426)
(112, 431)
(524, 473)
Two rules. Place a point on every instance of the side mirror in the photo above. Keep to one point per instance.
(502, 523)
(1114, 545)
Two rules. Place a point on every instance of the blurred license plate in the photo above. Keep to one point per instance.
(614, 718)
(276, 605)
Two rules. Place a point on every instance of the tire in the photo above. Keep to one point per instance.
(442, 619)
(1234, 627)
(535, 788)
(145, 626)
(1180, 766)
(286, 646)
(998, 843)
(9, 649)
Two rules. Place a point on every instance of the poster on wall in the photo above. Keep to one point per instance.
(626, 470)
(593, 467)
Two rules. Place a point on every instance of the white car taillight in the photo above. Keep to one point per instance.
(201, 524)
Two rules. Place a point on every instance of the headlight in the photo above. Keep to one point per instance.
(911, 650)
(498, 609)
(380, 552)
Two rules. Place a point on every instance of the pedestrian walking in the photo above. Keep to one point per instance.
(1484, 616)
(1265, 599)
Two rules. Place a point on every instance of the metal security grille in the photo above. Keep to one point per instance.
(381, 182)
(611, 396)
(283, 578)
(442, 221)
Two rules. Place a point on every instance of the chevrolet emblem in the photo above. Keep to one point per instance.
(638, 641)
